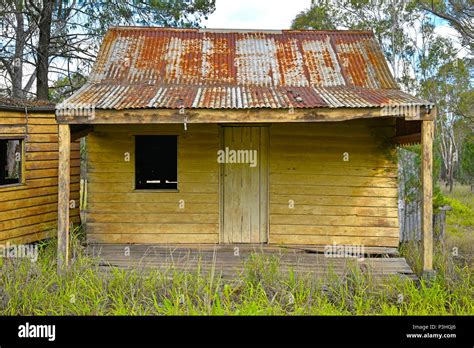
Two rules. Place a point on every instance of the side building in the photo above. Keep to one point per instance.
(29, 172)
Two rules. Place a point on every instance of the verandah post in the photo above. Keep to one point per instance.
(427, 130)
(64, 139)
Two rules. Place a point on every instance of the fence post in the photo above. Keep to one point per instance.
(440, 225)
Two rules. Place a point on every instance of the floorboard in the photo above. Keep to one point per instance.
(230, 260)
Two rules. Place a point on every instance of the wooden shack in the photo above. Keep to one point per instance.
(29, 172)
(201, 136)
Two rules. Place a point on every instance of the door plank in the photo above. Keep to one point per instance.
(245, 188)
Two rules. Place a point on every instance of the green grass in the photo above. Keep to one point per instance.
(28, 288)
(460, 220)
(460, 224)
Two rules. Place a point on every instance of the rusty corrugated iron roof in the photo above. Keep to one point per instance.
(21, 104)
(143, 67)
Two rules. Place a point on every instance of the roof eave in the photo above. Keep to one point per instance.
(50, 108)
(222, 116)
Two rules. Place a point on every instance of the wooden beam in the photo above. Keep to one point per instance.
(407, 139)
(64, 138)
(80, 131)
(262, 115)
(427, 131)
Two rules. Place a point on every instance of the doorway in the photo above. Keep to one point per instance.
(244, 190)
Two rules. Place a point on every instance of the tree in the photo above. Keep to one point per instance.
(458, 13)
(423, 62)
(467, 161)
(66, 86)
(16, 33)
(391, 21)
(318, 16)
(45, 20)
(55, 38)
(451, 90)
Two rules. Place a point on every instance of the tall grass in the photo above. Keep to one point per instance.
(28, 288)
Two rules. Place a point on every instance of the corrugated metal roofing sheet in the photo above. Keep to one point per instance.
(171, 68)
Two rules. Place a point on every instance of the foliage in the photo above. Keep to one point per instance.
(458, 13)
(409, 173)
(28, 288)
(316, 17)
(462, 211)
(65, 35)
(423, 62)
(460, 220)
(451, 89)
(63, 88)
(393, 23)
(467, 161)
(439, 199)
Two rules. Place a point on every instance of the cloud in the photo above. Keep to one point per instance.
(255, 14)
(450, 33)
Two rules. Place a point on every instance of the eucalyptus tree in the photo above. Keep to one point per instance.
(60, 38)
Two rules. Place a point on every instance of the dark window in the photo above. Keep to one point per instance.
(156, 162)
(10, 161)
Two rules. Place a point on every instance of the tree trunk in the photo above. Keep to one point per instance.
(443, 172)
(451, 180)
(43, 50)
(11, 163)
(17, 64)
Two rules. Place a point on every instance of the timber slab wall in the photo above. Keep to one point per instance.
(335, 201)
(29, 211)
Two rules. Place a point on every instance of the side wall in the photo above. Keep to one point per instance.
(28, 212)
(346, 202)
(334, 201)
(117, 213)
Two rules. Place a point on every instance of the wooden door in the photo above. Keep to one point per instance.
(245, 185)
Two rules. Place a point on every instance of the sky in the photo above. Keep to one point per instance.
(272, 14)
(278, 14)
(255, 14)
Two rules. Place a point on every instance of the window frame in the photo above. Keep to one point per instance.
(22, 180)
(133, 160)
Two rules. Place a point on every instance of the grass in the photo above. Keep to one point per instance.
(460, 223)
(34, 288)
(460, 219)
(28, 288)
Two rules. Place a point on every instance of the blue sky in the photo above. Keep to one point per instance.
(276, 14)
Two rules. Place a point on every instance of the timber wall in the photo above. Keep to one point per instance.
(28, 212)
(334, 201)
(116, 213)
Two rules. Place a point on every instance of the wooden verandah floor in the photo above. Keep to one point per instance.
(229, 260)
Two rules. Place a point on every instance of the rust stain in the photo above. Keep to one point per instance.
(290, 63)
(173, 68)
(215, 66)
